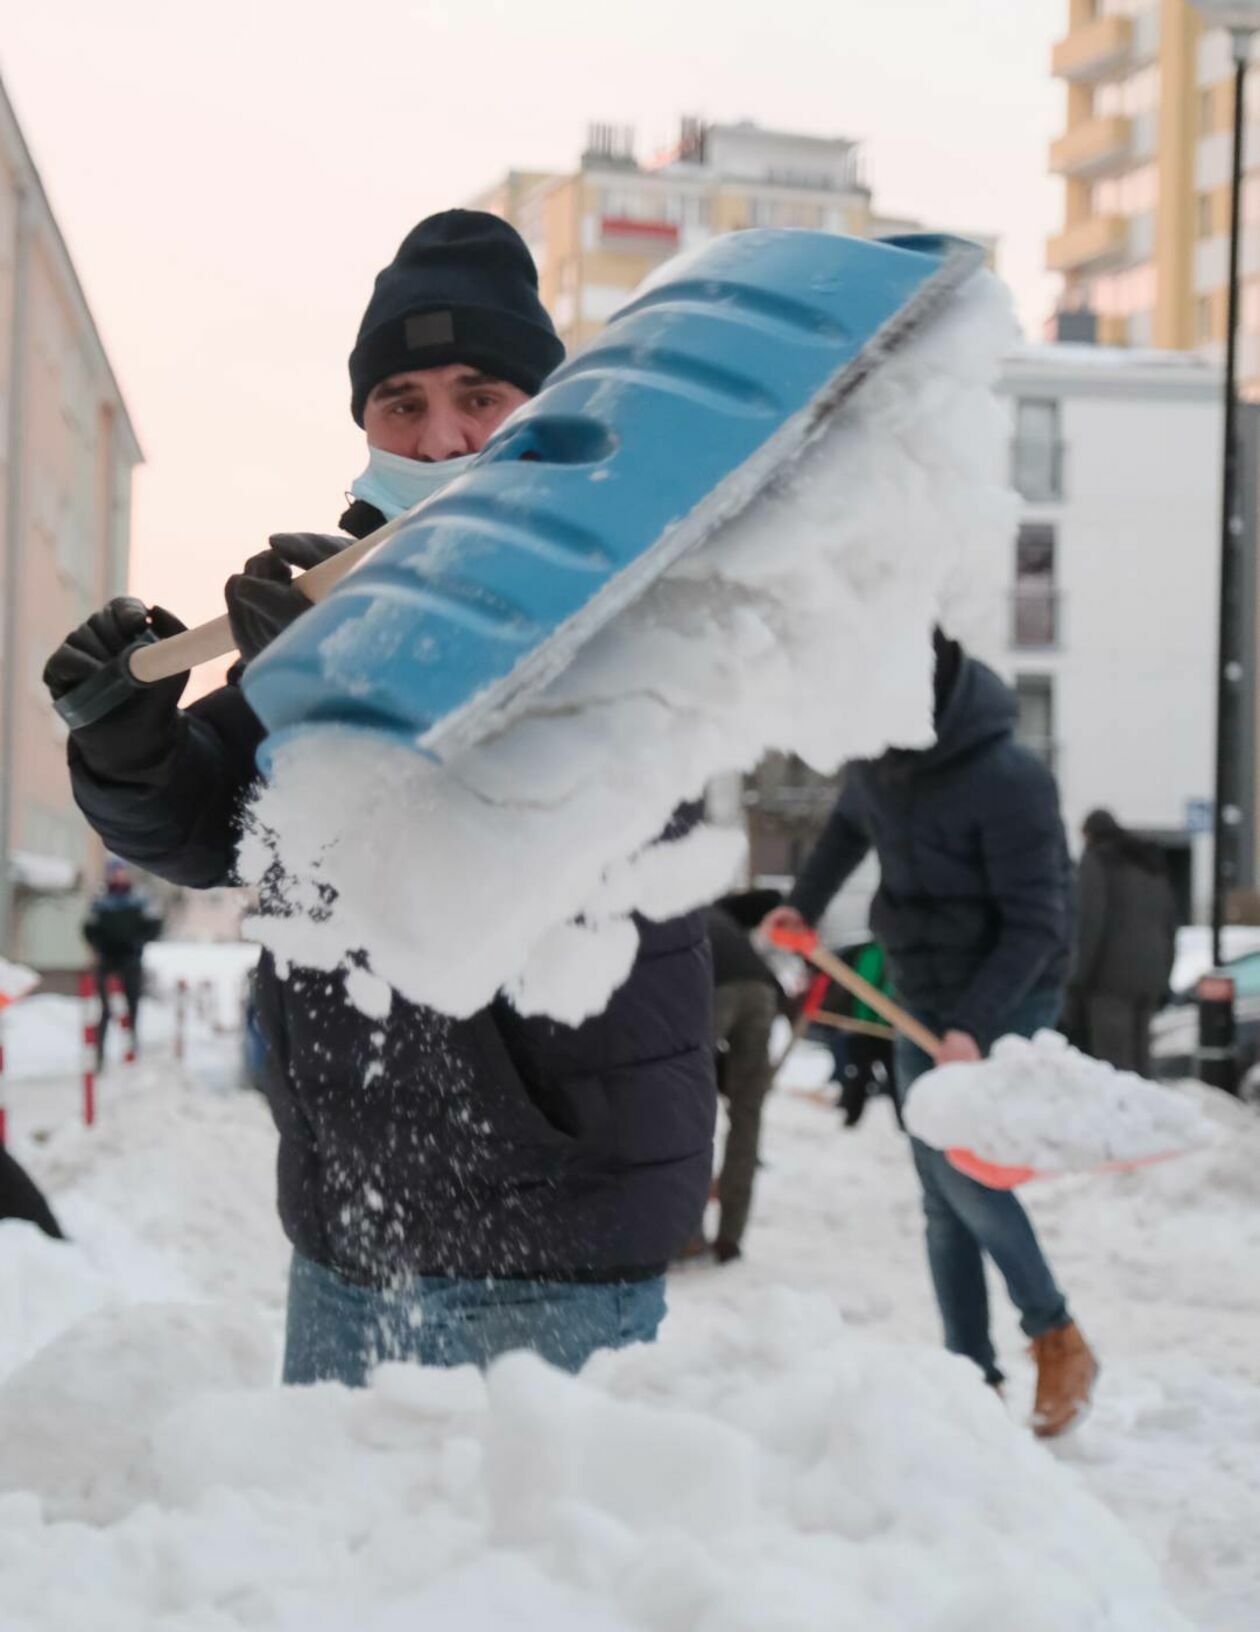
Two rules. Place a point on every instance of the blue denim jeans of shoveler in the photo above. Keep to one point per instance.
(337, 1331)
(967, 1222)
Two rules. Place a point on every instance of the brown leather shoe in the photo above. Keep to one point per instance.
(1066, 1369)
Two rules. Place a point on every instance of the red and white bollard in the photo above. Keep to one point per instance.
(3, 1117)
(121, 1014)
(181, 1017)
(87, 995)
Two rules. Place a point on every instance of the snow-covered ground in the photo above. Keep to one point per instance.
(795, 1454)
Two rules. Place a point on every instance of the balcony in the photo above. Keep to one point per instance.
(1036, 617)
(1092, 148)
(1096, 51)
(1096, 242)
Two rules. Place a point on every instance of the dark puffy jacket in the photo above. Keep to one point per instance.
(496, 1145)
(1126, 922)
(973, 903)
(119, 926)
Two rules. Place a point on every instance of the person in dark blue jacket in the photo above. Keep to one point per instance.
(452, 1188)
(119, 925)
(973, 911)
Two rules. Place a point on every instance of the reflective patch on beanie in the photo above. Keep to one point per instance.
(429, 329)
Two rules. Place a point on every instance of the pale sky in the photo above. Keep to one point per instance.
(229, 179)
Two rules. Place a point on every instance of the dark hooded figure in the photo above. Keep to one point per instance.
(972, 909)
(1126, 931)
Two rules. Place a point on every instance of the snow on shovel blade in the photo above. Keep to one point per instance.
(1037, 1108)
(691, 402)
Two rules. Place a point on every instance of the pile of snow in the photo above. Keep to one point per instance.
(518, 865)
(1043, 1104)
(796, 1452)
(43, 1037)
(43, 1034)
(784, 1473)
(215, 969)
(16, 980)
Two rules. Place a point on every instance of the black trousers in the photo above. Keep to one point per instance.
(1119, 1031)
(131, 976)
(20, 1197)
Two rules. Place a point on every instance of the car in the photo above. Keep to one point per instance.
(1175, 1029)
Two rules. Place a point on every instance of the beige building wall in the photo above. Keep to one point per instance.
(598, 231)
(70, 539)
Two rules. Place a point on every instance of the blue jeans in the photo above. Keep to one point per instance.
(337, 1331)
(965, 1220)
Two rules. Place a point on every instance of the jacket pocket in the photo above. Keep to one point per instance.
(513, 1114)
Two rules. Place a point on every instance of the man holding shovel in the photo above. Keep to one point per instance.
(973, 910)
(452, 1189)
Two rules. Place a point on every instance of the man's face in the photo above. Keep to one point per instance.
(433, 414)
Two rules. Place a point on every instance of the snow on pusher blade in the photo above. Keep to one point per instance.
(697, 394)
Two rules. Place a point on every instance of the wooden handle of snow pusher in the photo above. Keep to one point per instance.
(807, 944)
(160, 659)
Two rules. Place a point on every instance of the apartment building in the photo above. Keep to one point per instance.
(597, 231)
(1145, 158)
(68, 450)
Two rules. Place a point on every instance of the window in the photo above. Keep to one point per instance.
(1137, 94)
(1037, 454)
(1207, 112)
(1203, 319)
(1133, 193)
(1034, 726)
(1203, 215)
(1035, 612)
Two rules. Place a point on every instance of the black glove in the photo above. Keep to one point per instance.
(131, 742)
(262, 601)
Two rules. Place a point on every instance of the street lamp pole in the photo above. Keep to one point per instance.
(1217, 1052)
(1229, 668)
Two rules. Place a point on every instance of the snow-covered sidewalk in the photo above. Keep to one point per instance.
(796, 1453)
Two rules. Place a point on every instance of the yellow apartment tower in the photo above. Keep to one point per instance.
(1145, 161)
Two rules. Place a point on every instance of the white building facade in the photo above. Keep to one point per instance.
(1108, 612)
(1112, 625)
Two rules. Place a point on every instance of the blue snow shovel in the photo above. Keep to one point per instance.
(696, 396)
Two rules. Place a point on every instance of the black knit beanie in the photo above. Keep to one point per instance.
(462, 288)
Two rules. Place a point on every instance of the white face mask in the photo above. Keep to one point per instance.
(395, 485)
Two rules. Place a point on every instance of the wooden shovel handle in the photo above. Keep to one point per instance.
(163, 658)
(807, 944)
(858, 1028)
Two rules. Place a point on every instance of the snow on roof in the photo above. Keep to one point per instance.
(46, 875)
(1077, 354)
